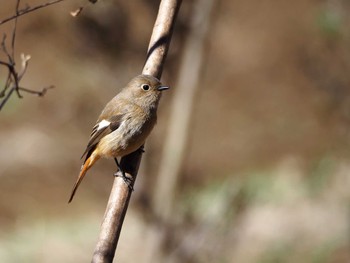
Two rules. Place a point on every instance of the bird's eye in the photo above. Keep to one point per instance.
(145, 87)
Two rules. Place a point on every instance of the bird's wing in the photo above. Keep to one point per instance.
(101, 129)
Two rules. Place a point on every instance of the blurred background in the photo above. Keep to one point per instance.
(249, 161)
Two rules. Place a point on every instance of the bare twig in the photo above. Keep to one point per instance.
(40, 93)
(13, 76)
(13, 40)
(28, 10)
(120, 194)
(4, 49)
(12, 56)
(78, 11)
(24, 59)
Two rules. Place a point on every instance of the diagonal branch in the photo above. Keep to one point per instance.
(120, 194)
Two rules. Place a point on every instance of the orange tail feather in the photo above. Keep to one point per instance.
(86, 166)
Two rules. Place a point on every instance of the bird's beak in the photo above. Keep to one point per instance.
(160, 88)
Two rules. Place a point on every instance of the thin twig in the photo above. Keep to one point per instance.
(120, 194)
(40, 93)
(13, 76)
(3, 102)
(4, 49)
(29, 10)
(13, 40)
(25, 59)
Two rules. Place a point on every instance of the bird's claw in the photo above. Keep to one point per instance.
(127, 179)
(141, 149)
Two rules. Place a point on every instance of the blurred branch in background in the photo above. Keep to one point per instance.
(121, 192)
(178, 131)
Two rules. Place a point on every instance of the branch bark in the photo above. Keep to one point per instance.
(181, 110)
(174, 148)
(120, 195)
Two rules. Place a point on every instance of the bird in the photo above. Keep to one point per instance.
(124, 124)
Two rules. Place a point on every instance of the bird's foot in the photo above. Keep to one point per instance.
(141, 149)
(129, 180)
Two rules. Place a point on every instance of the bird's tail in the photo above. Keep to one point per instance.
(84, 168)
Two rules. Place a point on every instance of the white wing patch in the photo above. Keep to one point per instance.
(102, 124)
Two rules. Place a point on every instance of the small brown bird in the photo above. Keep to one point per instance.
(124, 124)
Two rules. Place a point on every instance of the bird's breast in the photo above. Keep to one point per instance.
(130, 135)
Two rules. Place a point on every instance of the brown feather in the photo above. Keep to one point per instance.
(98, 134)
(131, 115)
(86, 166)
